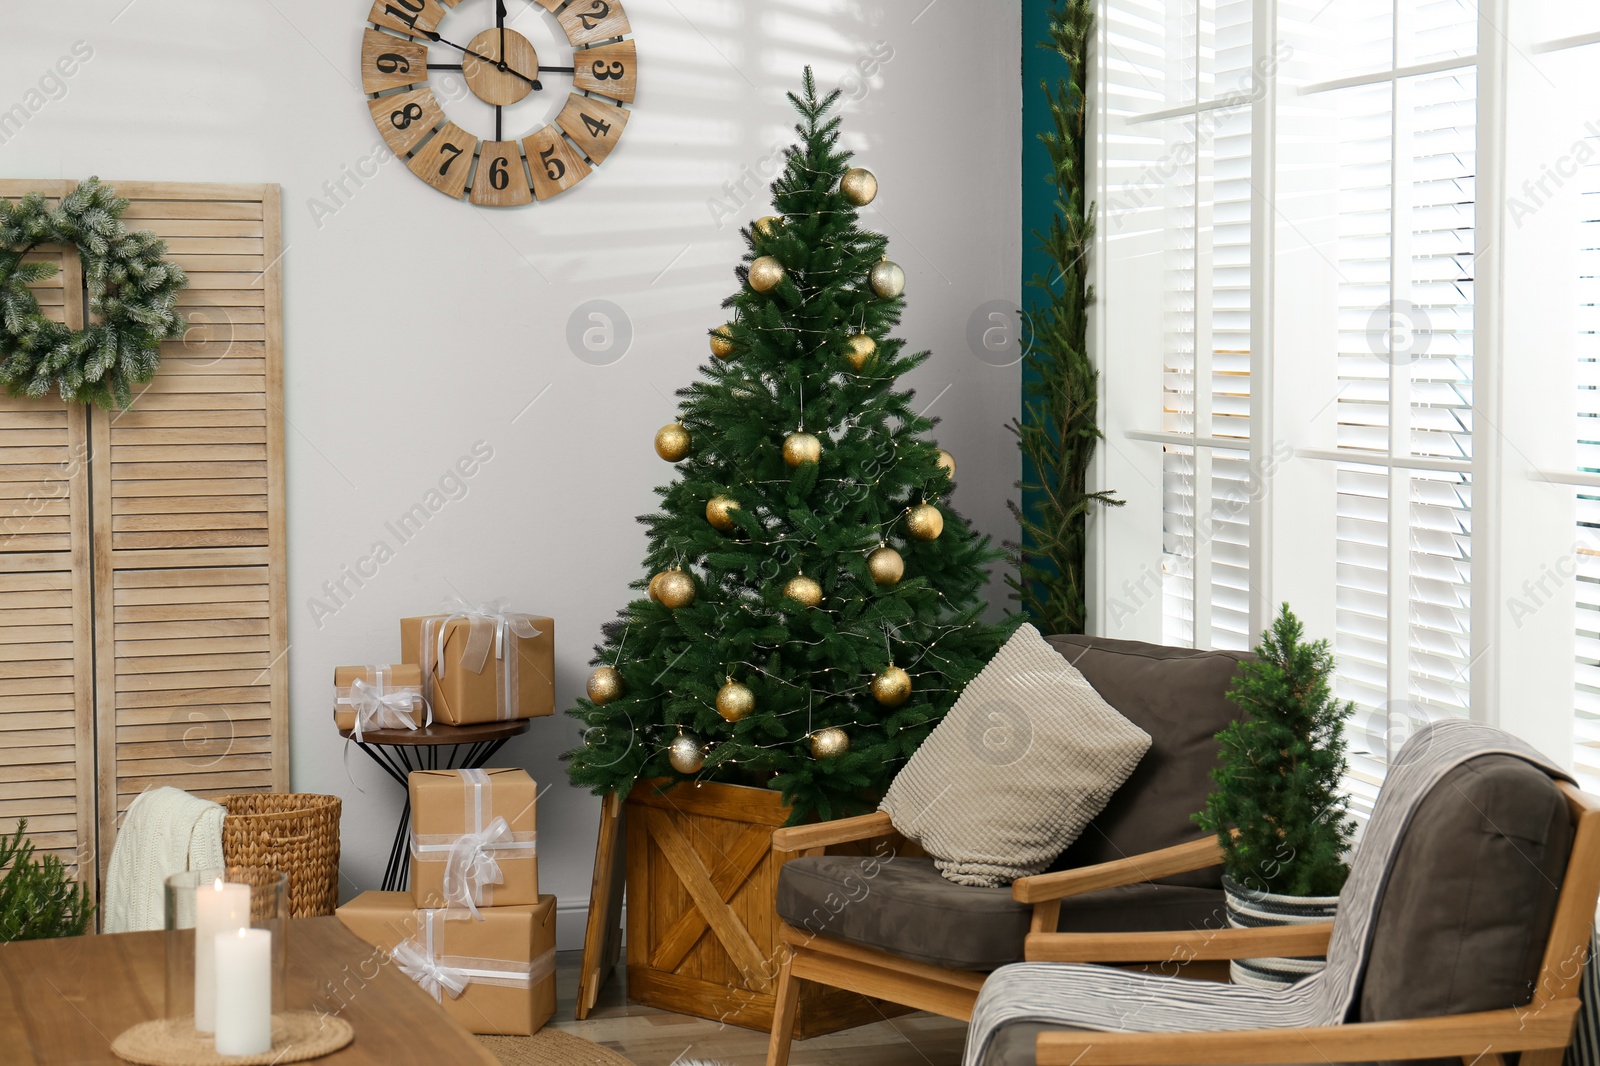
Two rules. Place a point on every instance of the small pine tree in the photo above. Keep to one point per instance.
(1278, 812)
(39, 900)
(780, 612)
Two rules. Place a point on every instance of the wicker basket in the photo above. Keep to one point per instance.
(295, 833)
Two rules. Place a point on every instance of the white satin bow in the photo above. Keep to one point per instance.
(471, 864)
(377, 709)
(434, 976)
(480, 638)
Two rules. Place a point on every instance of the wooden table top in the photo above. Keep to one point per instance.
(62, 1002)
(439, 733)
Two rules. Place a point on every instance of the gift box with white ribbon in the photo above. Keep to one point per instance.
(473, 839)
(483, 663)
(495, 976)
(378, 697)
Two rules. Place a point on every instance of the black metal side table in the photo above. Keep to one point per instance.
(400, 751)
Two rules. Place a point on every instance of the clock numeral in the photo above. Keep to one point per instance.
(407, 12)
(554, 168)
(455, 153)
(498, 178)
(393, 63)
(599, 129)
(612, 73)
(597, 12)
(406, 115)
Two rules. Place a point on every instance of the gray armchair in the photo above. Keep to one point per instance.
(899, 928)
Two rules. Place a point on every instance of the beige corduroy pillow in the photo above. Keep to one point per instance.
(1026, 758)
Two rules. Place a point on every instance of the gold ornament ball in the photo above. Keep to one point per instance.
(859, 186)
(947, 463)
(925, 522)
(719, 512)
(766, 224)
(765, 273)
(722, 342)
(674, 589)
(605, 685)
(892, 687)
(801, 448)
(886, 566)
(672, 442)
(685, 754)
(735, 701)
(887, 280)
(861, 349)
(803, 590)
(655, 586)
(826, 743)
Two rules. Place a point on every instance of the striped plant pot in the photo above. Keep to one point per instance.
(1251, 909)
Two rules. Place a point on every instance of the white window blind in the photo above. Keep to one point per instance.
(1586, 560)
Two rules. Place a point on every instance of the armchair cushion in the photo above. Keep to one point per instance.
(1026, 757)
(902, 905)
(1178, 696)
(1463, 922)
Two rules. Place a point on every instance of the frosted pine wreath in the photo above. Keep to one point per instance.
(133, 291)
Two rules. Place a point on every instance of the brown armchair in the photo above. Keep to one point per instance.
(890, 926)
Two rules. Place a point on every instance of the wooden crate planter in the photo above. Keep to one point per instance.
(702, 924)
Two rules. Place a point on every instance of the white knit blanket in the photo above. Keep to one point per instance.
(1081, 996)
(166, 831)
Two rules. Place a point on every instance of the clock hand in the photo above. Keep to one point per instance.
(499, 65)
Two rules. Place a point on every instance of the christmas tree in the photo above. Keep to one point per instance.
(1278, 811)
(815, 604)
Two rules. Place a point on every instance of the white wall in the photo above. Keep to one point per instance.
(416, 327)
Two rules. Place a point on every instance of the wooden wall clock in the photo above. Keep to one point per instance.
(500, 67)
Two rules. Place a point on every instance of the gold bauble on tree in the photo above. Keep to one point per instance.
(803, 590)
(735, 701)
(887, 280)
(924, 522)
(672, 442)
(826, 743)
(655, 586)
(685, 754)
(861, 349)
(859, 186)
(767, 224)
(605, 685)
(886, 566)
(801, 448)
(892, 687)
(719, 512)
(722, 342)
(765, 273)
(674, 589)
(947, 463)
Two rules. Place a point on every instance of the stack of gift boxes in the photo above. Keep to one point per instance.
(473, 930)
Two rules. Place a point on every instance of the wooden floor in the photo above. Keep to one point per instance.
(652, 1037)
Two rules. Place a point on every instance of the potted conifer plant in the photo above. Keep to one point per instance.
(38, 898)
(1278, 812)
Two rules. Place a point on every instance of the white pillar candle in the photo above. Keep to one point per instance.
(218, 908)
(244, 992)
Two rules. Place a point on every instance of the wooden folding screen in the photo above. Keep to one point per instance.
(170, 547)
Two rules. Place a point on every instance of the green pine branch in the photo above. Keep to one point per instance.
(38, 899)
(1058, 431)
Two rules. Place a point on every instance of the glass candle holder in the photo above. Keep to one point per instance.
(217, 901)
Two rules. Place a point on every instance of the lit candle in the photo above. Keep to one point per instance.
(244, 992)
(218, 908)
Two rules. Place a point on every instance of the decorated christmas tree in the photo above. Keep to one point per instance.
(813, 603)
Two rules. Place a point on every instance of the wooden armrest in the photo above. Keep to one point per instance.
(1180, 946)
(1179, 859)
(1463, 1035)
(841, 831)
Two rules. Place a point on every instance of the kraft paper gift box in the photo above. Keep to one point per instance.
(378, 697)
(496, 977)
(483, 664)
(474, 841)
